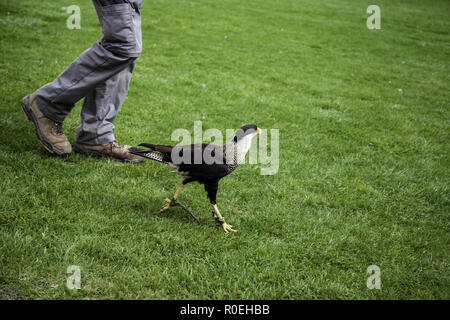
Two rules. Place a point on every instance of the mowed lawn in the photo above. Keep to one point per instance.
(363, 178)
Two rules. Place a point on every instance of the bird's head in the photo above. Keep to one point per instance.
(241, 143)
(246, 133)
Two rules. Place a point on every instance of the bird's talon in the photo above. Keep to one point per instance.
(164, 208)
(227, 228)
(170, 203)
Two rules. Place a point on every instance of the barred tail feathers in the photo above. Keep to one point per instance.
(152, 155)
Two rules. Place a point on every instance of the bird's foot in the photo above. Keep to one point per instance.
(226, 227)
(167, 205)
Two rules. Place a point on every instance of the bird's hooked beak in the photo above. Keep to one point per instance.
(258, 131)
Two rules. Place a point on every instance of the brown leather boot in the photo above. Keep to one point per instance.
(48, 131)
(113, 150)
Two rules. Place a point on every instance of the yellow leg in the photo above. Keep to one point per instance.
(226, 227)
(175, 196)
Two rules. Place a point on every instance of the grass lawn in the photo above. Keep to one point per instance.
(363, 179)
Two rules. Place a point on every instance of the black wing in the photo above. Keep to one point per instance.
(201, 161)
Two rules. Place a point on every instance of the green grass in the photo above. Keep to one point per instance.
(364, 167)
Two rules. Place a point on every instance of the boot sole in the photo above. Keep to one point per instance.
(31, 117)
(102, 155)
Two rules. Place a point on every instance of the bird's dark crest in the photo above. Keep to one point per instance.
(243, 131)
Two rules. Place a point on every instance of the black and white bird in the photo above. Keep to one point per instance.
(204, 163)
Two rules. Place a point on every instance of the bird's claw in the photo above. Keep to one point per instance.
(227, 228)
(166, 206)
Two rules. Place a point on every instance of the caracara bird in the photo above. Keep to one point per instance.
(204, 163)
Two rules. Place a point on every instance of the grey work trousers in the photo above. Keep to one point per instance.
(101, 74)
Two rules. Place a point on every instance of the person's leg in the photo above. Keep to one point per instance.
(93, 67)
(116, 51)
(101, 107)
(118, 48)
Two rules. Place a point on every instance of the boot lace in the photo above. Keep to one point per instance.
(58, 128)
(116, 144)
